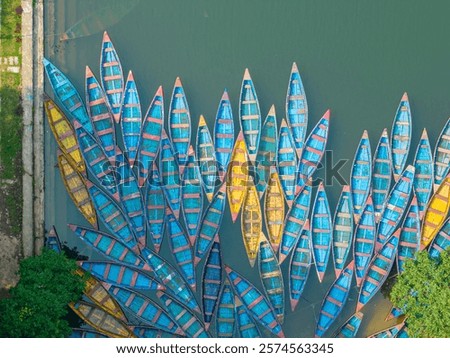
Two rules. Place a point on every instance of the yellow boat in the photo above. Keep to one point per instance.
(237, 177)
(274, 210)
(64, 135)
(251, 223)
(76, 187)
(436, 213)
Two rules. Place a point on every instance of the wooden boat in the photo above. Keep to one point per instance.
(436, 212)
(423, 178)
(442, 156)
(364, 241)
(342, 230)
(274, 210)
(321, 231)
(179, 123)
(206, 158)
(183, 316)
(313, 150)
(287, 162)
(170, 173)
(111, 76)
(149, 332)
(52, 241)
(297, 109)
(131, 119)
(64, 135)
(255, 302)
(77, 190)
(67, 95)
(401, 136)
(381, 174)
(361, 175)
(294, 221)
(151, 135)
(251, 223)
(245, 324)
(389, 332)
(224, 134)
(100, 115)
(225, 320)
(409, 240)
(211, 282)
(267, 151)
(441, 242)
(351, 327)
(192, 197)
(271, 277)
(300, 264)
(210, 224)
(396, 204)
(335, 300)
(101, 320)
(237, 177)
(378, 271)
(249, 116)
(86, 333)
(394, 313)
(403, 332)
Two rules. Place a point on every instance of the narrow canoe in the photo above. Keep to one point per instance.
(441, 242)
(297, 109)
(361, 175)
(249, 115)
(403, 332)
(401, 136)
(245, 324)
(394, 313)
(381, 173)
(321, 231)
(251, 223)
(52, 241)
(224, 134)
(342, 230)
(351, 327)
(151, 135)
(149, 332)
(266, 157)
(131, 119)
(206, 158)
(287, 162)
(409, 241)
(274, 210)
(442, 156)
(86, 333)
(271, 277)
(111, 76)
(225, 320)
(378, 271)
(423, 178)
(255, 302)
(294, 221)
(100, 115)
(389, 332)
(313, 150)
(183, 316)
(300, 265)
(335, 300)
(364, 241)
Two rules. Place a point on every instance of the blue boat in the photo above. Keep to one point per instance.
(390, 332)
(401, 136)
(287, 162)
(403, 333)
(442, 156)
(441, 242)
(86, 333)
(381, 174)
(206, 158)
(149, 332)
(52, 241)
(423, 177)
(245, 324)
(394, 313)
(225, 320)
(409, 241)
(351, 327)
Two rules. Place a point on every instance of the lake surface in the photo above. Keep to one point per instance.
(356, 57)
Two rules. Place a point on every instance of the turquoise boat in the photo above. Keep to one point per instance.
(423, 177)
(225, 320)
(321, 231)
(299, 266)
(394, 313)
(396, 204)
(342, 230)
(183, 316)
(151, 135)
(287, 162)
(401, 136)
(351, 327)
(361, 175)
(67, 95)
(192, 197)
(364, 241)
(101, 117)
(250, 116)
(52, 241)
(224, 134)
(111, 76)
(206, 158)
(409, 240)
(149, 332)
(131, 119)
(441, 242)
(442, 156)
(403, 333)
(381, 174)
(245, 324)
(86, 333)
(335, 300)
(388, 333)
(378, 271)
(295, 219)
(297, 109)
(179, 123)
(313, 150)
(255, 302)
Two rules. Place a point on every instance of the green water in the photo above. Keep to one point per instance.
(356, 57)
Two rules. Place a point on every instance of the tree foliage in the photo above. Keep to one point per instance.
(38, 306)
(423, 292)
